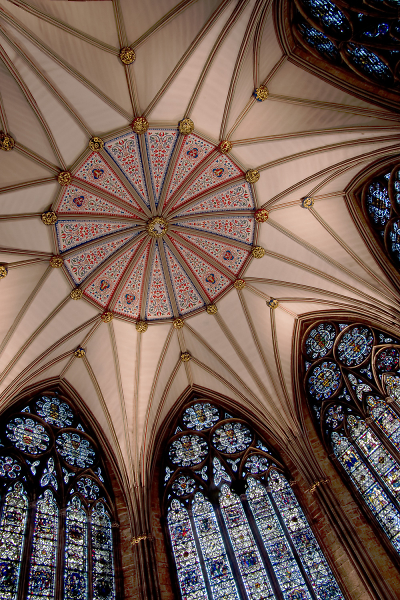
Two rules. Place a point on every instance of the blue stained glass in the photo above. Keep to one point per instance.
(12, 535)
(9, 467)
(386, 513)
(102, 553)
(311, 555)
(324, 380)
(355, 346)
(76, 552)
(28, 435)
(212, 546)
(335, 415)
(320, 42)
(231, 438)
(75, 450)
(49, 476)
(202, 415)
(190, 576)
(391, 384)
(386, 419)
(394, 236)
(369, 63)
(188, 450)
(279, 552)
(54, 411)
(330, 16)
(88, 488)
(219, 472)
(256, 463)
(358, 386)
(320, 340)
(249, 561)
(387, 360)
(44, 549)
(184, 485)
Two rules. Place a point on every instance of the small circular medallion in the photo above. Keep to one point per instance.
(107, 317)
(261, 93)
(261, 215)
(6, 141)
(188, 450)
(96, 144)
(273, 303)
(320, 340)
(157, 227)
(258, 251)
(140, 125)
(3, 271)
(178, 323)
(239, 284)
(76, 294)
(252, 175)
(324, 380)
(141, 326)
(225, 146)
(355, 346)
(185, 356)
(186, 126)
(307, 202)
(231, 438)
(201, 415)
(64, 178)
(127, 55)
(56, 262)
(212, 309)
(49, 217)
(80, 353)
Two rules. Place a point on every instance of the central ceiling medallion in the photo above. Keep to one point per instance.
(157, 227)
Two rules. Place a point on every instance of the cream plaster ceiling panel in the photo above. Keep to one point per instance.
(62, 82)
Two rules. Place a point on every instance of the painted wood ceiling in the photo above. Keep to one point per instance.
(62, 82)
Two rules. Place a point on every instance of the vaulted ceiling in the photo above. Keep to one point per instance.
(62, 82)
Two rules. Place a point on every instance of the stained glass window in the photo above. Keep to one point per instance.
(353, 36)
(357, 412)
(235, 527)
(64, 543)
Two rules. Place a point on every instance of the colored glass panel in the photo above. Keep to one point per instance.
(320, 340)
(190, 575)
(220, 473)
(9, 467)
(201, 415)
(251, 567)
(369, 63)
(49, 476)
(218, 569)
(102, 555)
(76, 450)
(188, 450)
(355, 346)
(44, 549)
(329, 15)
(231, 438)
(277, 546)
(12, 535)
(378, 203)
(54, 411)
(324, 380)
(88, 488)
(183, 485)
(376, 498)
(386, 419)
(76, 552)
(28, 435)
(309, 552)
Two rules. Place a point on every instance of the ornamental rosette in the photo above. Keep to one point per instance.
(307, 202)
(141, 326)
(107, 317)
(127, 55)
(140, 125)
(64, 178)
(258, 251)
(96, 144)
(3, 271)
(178, 323)
(261, 215)
(7, 142)
(212, 309)
(261, 93)
(252, 175)
(56, 262)
(225, 146)
(49, 217)
(239, 284)
(186, 126)
(76, 294)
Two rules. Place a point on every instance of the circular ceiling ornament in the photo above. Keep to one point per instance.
(273, 303)
(127, 55)
(107, 317)
(76, 294)
(212, 309)
(178, 323)
(239, 284)
(64, 178)
(225, 146)
(261, 215)
(49, 217)
(252, 176)
(56, 262)
(96, 144)
(185, 356)
(140, 125)
(3, 271)
(80, 352)
(157, 227)
(157, 230)
(307, 202)
(186, 126)
(258, 252)
(261, 93)
(7, 142)
(141, 326)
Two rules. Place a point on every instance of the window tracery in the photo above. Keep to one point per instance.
(56, 539)
(352, 383)
(358, 43)
(235, 527)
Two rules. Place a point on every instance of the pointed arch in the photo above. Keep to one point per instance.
(373, 200)
(58, 519)
(233, 524)
(348, 375)
(352, 45)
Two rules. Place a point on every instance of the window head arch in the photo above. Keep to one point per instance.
(351, 378)
(234, 525)
(355, 45)
(373, 199)
(56, 511)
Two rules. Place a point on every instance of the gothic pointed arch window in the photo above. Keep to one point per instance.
(355, 45)
(352, 384)
(373, 199)
(57, 540)
(235, 528)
